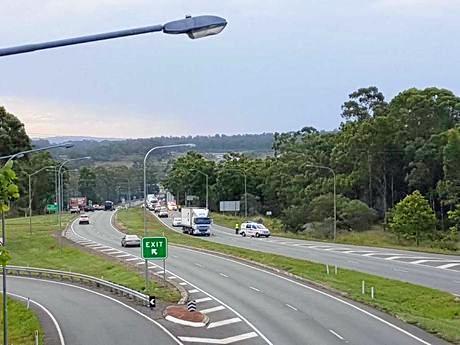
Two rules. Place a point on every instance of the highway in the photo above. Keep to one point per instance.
(432, 270)
(253, 306)
(88, 317)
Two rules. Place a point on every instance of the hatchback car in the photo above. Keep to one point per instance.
(130, 241)
(253, 229)
(177, 222)
(84, 219)
(163, 213)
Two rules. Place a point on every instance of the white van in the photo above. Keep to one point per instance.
(254, 229)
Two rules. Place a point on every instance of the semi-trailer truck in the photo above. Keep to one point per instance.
(196, 221)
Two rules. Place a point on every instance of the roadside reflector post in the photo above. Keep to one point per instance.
(363, 287)
(327, 269)
(372, 292)
(28, 302)
(191, 305)
(335, 269)
(36, 337)
(164, 272)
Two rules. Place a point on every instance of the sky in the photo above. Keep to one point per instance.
(277, 66)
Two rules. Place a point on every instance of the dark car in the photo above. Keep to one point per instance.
(88, 208)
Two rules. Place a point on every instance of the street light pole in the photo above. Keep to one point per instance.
(207, 185)
(30, 194)
(145, 195)
(335, 194)
(194, 27)
(5, 304)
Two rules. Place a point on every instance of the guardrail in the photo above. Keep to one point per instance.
(44, 273)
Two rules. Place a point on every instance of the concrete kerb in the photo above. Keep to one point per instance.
(183, 292)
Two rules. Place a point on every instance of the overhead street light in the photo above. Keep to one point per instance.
(194, 27)
(60, 185)
(145, 195)
(335, 194)
(46, 148)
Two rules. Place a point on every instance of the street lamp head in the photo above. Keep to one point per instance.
(67, 145)
(87, 157)
(196, 27)
(190, 145)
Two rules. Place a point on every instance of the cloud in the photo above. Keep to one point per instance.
(43, 119)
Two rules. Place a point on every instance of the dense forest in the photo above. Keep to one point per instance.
(382, 152)
(132, 150)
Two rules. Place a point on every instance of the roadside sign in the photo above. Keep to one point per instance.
(154, 248)
(152, 302)
(51, 208)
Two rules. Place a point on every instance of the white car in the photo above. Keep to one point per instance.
(84, 219)
(177, 222)
(130, 240)
(163, 213)
(254, 229)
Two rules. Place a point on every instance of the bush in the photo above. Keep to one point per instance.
(294, 218)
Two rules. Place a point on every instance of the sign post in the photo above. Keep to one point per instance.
(154, 248)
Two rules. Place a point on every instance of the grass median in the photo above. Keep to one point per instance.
(23, 323)
(42, 249)
(375, 237)
(435, 311)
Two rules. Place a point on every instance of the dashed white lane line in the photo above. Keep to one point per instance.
(290, 306)
(172, 277)
(193, 291)
(199, 265)
(132, 259)
(204, 299)
(255, 289)
(182, 283)
(175, 256)
(228, 340)
(213, 309)
(400, 270)
(223, 275)
(224, 322)
(336, 334)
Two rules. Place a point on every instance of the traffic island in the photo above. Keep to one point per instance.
(180, 315)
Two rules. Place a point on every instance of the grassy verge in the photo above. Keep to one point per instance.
(435, 311)
(371, 238)
(41, 249)
(22, 324)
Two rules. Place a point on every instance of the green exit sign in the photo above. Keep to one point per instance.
(154, 248)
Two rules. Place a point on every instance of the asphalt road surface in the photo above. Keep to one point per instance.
(432, 270)
(87, 317)
(253, 306)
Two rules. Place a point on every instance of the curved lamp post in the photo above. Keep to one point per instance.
(193, 27)
(335, 194)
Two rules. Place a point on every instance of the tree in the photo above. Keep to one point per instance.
(413, 218)
(364, 104)
(13, 137)
(8, 189)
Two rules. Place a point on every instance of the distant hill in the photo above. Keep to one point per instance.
(133, 150)
(64, 139)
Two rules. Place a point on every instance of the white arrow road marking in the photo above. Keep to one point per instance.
(224, 322)
(212, 310)
(228, 340)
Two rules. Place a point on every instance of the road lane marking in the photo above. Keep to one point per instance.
(255, 289)
(182, 283)
(228, 340)
(337, 299)
(199, 265)
(379, 253)
(405, 257)
(224, 322)
(193, 291)
(249, 323)
(204, 299)
(172, 277)
(293, 308)
(213, 309)
(56, 324)
(400, 270)
(123, 255)
(449, 265)
(336, 334)
(223, 275)
(132, 259)
(141, 263)
(107, 250)
(111, 299)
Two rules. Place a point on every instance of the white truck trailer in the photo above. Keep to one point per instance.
(196, 221)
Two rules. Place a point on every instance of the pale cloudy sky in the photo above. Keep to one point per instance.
(278, 66)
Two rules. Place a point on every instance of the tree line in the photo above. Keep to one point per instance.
(381, 153)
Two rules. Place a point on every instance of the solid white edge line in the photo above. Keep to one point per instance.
(56, 324)
(336, 334)
(111, 299)
(206, 293)
(375, 317)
